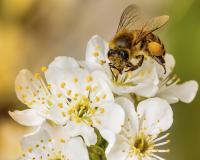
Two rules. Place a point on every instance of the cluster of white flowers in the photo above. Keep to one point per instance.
(82, 112)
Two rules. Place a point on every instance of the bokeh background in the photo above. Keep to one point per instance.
(33, 32)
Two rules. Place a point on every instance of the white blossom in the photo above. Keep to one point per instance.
(41, 145)
(74, 97)
(139, 138)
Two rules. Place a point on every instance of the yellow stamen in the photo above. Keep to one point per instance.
(43, 68)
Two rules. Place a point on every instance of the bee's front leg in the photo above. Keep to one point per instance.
(133, 67)
(111, 67)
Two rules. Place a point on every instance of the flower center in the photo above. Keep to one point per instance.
(140, 145)
(81, 111)
(122, 79)
(146, 146)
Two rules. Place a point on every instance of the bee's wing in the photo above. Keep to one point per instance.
(156, 23)
(151, 26)
(129, 17)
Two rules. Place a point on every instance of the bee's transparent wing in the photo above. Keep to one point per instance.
(156, 23)
(129, 17)
(151, 26)
(133, 19)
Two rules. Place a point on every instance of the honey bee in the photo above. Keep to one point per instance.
(134, 39)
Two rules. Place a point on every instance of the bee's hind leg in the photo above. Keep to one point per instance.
(133, 67)
(160, 60)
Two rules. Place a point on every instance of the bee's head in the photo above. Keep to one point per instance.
(118, 55)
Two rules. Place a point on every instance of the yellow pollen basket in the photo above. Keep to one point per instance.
(155, 48)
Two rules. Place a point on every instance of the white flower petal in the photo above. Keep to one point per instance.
(185, 92)
(131, 118)
(96, 51)
(27, 117)
(169, 65)
(111, 119)
(41, 138)
(102, 90)
(32, 91)
(76, 149)
(57, 113)
(77, 129)
(134, 157)
(155, 115)
(64, 63)
(62, 81)
(57, 131)
(119, 151)
(109, 137)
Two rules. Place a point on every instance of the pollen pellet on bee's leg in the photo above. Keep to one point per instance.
(155, 48)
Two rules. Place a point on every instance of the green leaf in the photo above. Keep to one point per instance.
(96, 153)
(101, 142)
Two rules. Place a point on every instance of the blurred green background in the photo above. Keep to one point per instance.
(33, 32)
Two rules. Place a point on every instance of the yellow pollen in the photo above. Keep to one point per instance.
(30, 149)
(24, 96)
(75, 80)
(37, 145)
(97, 99)
(81, 111)
(62, 140)
(102, 110)
(78, 120)
(104, 96)
(88, 88)
(63, 114)
(76, 94)
(37, 75)
(102, 62)
(49, 86)
(59, 95)
(89, 78)
(96, 54)
(19, 88)
(92, 111)
(62, 85)
(43, 68)
(69, 92)
(60, 105)
(97, 47)
(50, 103)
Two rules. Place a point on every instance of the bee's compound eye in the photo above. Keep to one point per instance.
(124, 54)
(111, 52)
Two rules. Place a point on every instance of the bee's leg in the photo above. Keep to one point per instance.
(160, 60)
(112, 66)
(134, 67)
